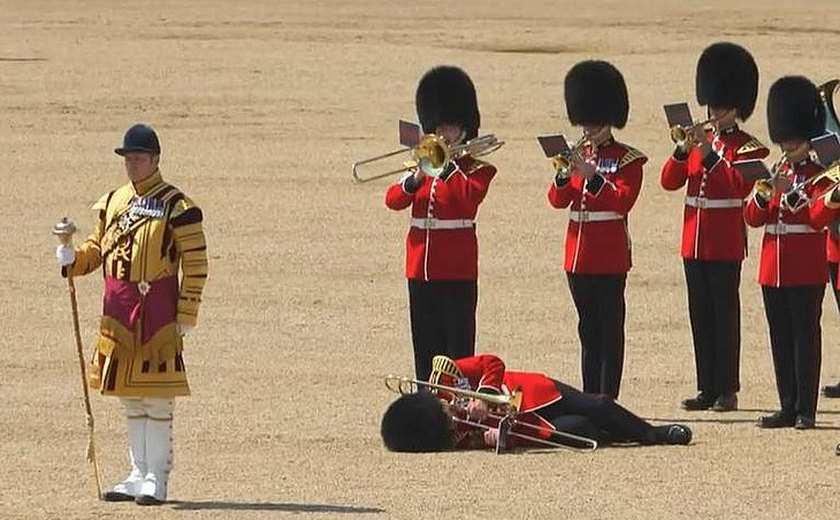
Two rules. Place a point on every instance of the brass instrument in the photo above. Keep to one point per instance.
(827, 91)
(766, 188)
(679, 134)
(432, 155)
(508, 404)
(580, 151)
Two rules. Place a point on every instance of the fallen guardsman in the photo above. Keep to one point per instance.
(474, 403)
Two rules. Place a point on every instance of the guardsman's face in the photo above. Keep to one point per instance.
(452, 133)
(140, 165)
(724, 117)
(795, 150)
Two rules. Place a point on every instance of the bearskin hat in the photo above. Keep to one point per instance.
(446, 95)
(417, 423)
(794, 110)
(596, 95)
(727, 76)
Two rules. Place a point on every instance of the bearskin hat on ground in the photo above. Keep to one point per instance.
(596, 95)
(446, 95)
(794, 110)
(727, 76)
(416, 423)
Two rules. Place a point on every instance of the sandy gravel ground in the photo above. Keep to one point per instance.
(261, 106)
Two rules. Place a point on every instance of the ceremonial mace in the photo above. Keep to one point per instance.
(64, 230)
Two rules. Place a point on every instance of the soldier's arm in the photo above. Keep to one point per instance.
(187, 231)
(89, 252)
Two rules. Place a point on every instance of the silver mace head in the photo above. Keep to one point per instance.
(64, 230)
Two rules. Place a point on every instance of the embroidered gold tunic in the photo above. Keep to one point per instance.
(149, 242)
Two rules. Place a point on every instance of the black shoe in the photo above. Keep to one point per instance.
(113, 496)
(831, 390)
(726, 403)
(777, 420)
(804, 423)
(147, 500)
(672, 434)
(701, 402)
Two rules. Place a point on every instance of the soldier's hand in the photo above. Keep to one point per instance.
(584, 169)
(477, 410)
(490, 437)
(65, 254)
(184, 329)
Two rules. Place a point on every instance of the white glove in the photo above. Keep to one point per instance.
(65, 255)
(183, 330)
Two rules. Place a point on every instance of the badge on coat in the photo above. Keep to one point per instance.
(146, 207)
(606, 165)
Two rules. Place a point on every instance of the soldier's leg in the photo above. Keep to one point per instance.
(426, 336)
(611, 315)
(777, 310)
(806, 312)
(833, 390)
(584, 295)
(158, 450)
(701, 319)
(619, 423)
(136, 418)
(725, 280)
(458, 317)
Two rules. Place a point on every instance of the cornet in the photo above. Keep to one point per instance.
(580, 151)
(679, 134)
(766, 188)
(432, 155)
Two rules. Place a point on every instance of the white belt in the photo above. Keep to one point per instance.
(436, 223)
(703, 202)
(594, 216)
(786, 229)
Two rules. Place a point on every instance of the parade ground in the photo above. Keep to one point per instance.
(261, 107)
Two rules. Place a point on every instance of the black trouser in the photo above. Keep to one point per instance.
(832, 275)
(793, 314)
(714, 308)
(595, 416)
(442, 321)
(599, 300)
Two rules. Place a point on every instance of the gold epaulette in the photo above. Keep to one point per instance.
(102, 203)
(752, 145)
(476, 165)
(181, 206)
(630, 155)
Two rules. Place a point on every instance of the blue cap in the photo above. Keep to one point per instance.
(139, 138)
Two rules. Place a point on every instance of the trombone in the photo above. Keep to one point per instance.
(509, 404)
(679, 134)
(766, 188)
(432, 155)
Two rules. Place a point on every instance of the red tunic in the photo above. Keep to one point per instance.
(713, 223)
(597, 238)
(441, 243)
(825, 211)
(832, 246)
(487, 372)
(793, 248)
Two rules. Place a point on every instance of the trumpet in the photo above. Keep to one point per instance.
(580, 151)
(679, 134)
(508, 404)
(432, 155)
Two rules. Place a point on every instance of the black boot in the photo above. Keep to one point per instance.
(672, 434)
(703, 401)
(831, 390)
(781, 419)
(726, 403)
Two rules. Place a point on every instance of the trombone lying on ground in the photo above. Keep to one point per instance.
(506, 410)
